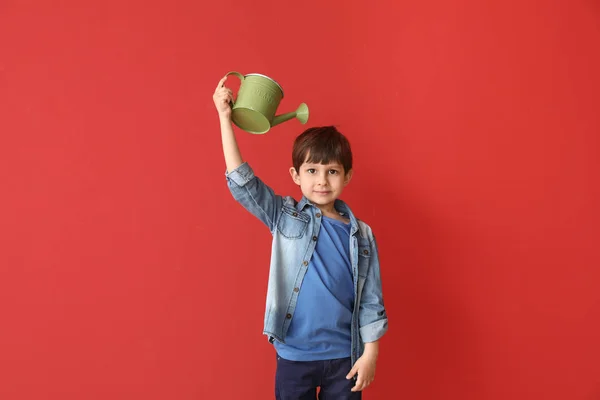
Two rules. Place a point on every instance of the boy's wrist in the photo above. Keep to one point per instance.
(372, 349)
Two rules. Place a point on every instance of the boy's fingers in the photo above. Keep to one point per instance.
(359, 385)
(221, 82)
(223, 91)
(352, 372)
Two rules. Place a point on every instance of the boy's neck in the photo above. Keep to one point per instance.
(328, 210)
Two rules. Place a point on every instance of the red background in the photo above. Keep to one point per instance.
(128, 271)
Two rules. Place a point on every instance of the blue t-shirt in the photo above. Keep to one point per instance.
(320, 327)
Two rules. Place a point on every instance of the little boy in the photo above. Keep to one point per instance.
(324, 308)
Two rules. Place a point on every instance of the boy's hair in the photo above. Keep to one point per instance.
(322, 145)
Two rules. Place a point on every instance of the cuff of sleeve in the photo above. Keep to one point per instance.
(241, 175)
(374, 331)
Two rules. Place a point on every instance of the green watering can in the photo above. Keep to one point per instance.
(256, 103)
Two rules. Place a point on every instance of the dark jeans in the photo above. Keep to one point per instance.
(298, 380)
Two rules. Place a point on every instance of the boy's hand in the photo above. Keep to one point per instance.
(365, 367)
(222, 97)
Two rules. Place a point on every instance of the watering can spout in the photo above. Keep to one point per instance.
(301, 114)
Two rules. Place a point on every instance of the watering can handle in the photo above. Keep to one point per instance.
(238, 75)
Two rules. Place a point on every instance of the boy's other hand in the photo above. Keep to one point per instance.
(222, 97)
(365, 367)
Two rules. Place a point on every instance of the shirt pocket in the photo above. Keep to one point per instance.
(364, 256)
(292, 224)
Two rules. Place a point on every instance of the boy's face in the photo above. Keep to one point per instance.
(321, 183)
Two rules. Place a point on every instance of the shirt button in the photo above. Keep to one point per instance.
(288, 316)
(296, 290)
(318, 215)
(305, 263)
(295, 214)
(315, 238)
(366, 252)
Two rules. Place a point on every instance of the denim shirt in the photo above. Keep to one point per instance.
(295, 229)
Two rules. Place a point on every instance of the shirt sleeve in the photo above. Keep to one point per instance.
(254, 195)
(373, 319)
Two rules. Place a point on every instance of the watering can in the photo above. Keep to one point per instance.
(257, 100)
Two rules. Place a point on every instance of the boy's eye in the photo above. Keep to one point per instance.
(333, 171)
(310, 170)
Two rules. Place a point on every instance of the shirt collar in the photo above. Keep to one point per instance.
(340, 206)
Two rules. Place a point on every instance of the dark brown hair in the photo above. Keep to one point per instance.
(322, 145)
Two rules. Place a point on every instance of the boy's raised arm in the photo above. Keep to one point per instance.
(251, 192)
(222, 97)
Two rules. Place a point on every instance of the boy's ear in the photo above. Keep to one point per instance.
(295, 175)
(348, 177)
